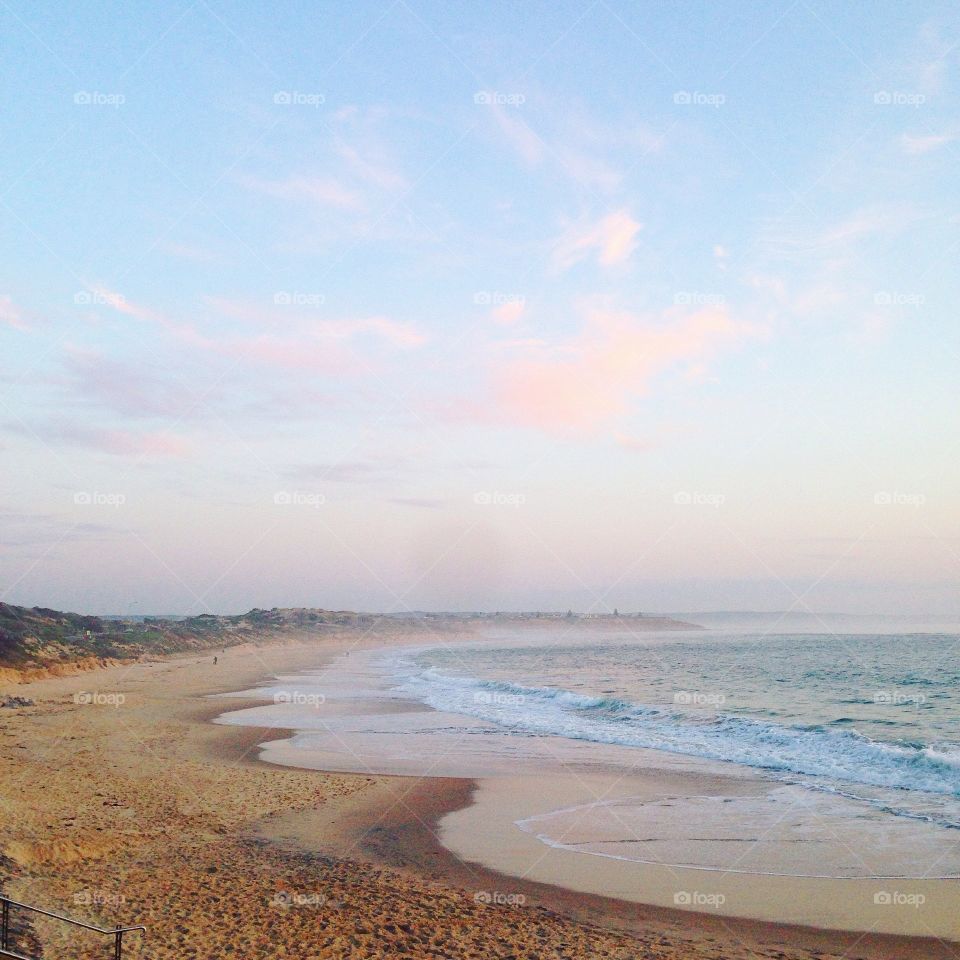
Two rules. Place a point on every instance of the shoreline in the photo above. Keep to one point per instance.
(553, 810)
(344, 823)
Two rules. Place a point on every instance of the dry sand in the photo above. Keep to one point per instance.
(142, 811)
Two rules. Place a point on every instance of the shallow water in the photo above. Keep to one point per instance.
(875, 717)
(799, 755)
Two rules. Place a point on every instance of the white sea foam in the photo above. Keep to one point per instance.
(837, 755)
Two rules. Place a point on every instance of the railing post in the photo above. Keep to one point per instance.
(5, 924)
(118, 944)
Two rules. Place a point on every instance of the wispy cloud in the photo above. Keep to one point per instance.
(592, 380)
(129, 388)
(12, 315)
(508, 313)
(278, 337)
(107, 440)
(23, 529)
(611, 240)
(373, 170)
(321, 191)
(526, 144)
(921, 144)
(790, 238)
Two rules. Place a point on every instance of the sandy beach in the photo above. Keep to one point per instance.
(124, 803)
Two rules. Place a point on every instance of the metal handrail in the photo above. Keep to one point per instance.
(7, 902)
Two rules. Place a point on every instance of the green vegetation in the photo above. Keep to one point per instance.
(38, 637)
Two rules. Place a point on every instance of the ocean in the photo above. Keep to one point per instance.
(874, 717)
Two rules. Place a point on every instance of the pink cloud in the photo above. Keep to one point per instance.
(593, 379)
(311, 344)
(158, 444)
(611, 239)
(634, 444)
(116, 442)
(508, 313)
(121, 304)
(920, 145)
(393, 331)
(11, 314)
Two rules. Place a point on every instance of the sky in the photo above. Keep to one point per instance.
(419, 305)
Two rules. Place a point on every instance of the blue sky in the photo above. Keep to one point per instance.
(408, 304)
